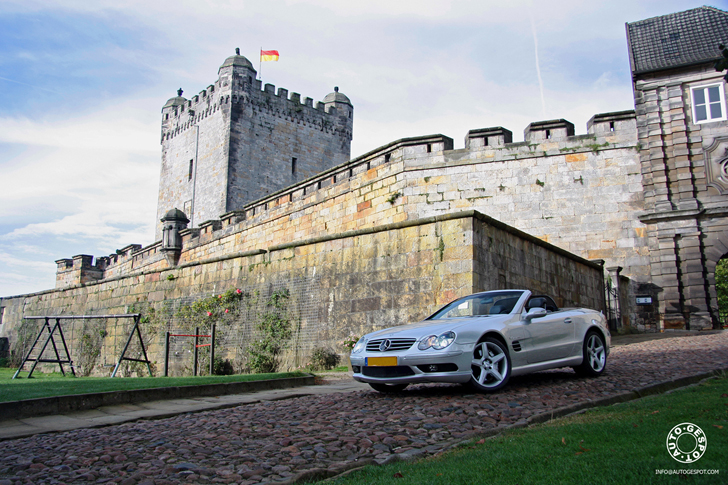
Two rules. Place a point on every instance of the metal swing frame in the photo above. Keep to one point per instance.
(58, 360)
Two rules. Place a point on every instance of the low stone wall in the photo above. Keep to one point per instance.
(351, 283)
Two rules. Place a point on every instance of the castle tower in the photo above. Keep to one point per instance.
(234, 142)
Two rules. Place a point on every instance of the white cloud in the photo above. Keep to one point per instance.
(85, 184)
(126, 127)
(34, 265)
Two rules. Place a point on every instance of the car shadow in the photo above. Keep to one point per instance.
(544, 379)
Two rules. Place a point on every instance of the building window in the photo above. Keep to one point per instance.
(189, 174)
(708, 103)
(293, 165)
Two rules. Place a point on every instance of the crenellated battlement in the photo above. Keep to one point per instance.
(421, 160)
(176, 119)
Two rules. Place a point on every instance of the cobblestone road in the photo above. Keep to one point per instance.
(274, 441)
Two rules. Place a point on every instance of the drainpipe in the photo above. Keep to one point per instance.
(194, 178)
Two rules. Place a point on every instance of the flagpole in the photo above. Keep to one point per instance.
(260, 64)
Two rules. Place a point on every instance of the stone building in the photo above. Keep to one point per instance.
(257, 190)
(234, 142)
(683, 142)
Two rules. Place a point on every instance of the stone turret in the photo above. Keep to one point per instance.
(173, 222)
(239, 65)
(339, 101)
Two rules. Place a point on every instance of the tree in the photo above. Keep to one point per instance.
(722, 63)
(721, 287)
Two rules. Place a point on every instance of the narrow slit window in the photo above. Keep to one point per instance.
(387, 157)
(293, 165)
(189, 174)
(429, 148)
(548, 134)
(485, 141)
(611, 126)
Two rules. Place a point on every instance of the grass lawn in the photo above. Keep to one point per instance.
(47, 385)
(620, 444)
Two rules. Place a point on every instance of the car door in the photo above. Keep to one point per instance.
(551, 337)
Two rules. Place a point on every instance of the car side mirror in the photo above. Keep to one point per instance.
(536, 312)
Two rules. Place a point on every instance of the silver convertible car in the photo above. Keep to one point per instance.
(484, 339)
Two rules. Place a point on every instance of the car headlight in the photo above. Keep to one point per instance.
(437, 342)
(360, 345)
(426, 342)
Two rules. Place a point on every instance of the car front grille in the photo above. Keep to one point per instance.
(395, 344)
(391, 371)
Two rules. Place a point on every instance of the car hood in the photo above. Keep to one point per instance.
(436, 327)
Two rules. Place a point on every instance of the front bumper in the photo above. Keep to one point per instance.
(451, 366)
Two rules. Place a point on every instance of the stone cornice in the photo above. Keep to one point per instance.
(662, 216)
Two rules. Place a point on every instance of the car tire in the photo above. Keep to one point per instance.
(594, 351)
(387, 388)
(491, 365)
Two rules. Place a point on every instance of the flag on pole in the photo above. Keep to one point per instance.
(268, 55)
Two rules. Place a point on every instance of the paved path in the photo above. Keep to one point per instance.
(108, 415)
(277, 436)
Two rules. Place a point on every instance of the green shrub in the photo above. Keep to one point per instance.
(274, 331)
(222, 367)
(324, 359)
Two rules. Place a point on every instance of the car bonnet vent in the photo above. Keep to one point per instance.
(516, 345)
(389, 345)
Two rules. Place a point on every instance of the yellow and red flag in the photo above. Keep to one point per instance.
(268, 55)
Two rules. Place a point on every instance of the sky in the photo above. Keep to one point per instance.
(83, 84)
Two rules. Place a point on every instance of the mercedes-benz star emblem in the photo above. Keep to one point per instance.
(384, 345)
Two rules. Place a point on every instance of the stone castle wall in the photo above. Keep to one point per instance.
(347, 283)
(580, 193)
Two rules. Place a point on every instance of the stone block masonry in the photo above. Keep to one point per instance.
(580, 193)
(352, 282)
(686, 195)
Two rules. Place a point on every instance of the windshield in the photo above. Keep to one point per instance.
(481, 304)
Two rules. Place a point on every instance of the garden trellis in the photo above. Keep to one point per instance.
(197, 337)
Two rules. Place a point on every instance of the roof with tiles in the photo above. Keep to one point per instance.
(676, 40)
